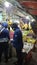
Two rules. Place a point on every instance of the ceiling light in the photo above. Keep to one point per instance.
(27, 17)
(6, 4)
(33, 20)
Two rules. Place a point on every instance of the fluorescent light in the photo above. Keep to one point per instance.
(27, 17)
(6, 4)
(33, 20)
(16, 21)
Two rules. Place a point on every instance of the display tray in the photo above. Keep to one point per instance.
(27, 47)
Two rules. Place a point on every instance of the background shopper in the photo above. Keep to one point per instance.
(17, 42)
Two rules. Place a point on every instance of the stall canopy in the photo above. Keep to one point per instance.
(31, 6)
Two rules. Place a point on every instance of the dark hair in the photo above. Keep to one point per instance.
(14, 25)
(8, 28)
(34, 27)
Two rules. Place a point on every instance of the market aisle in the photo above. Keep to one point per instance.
(10, 61)
(34, 58)
(14, 59)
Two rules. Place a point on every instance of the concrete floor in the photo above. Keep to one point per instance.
(33, 60)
